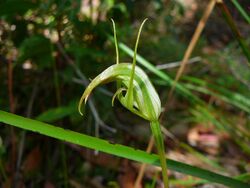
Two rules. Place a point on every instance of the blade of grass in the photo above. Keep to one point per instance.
(54, 114)
(232, 25)
(114, 149)
(241, 10)
(188, 182)
(194, 181)
(202, 157)
(233, 98)
(182, 90)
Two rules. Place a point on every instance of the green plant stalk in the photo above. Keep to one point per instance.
(156, 130)
(235, 30)
(141, 97)
(153, 184)
(241, 10)
(114, 149)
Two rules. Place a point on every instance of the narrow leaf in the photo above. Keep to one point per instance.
(114, 149)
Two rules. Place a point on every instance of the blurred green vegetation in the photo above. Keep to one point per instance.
(55, 47)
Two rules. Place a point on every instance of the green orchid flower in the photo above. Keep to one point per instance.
(135, 92)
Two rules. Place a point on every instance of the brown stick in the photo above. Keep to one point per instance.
(143, 166)
(191, 46)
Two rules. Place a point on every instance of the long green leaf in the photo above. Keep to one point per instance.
(228, 96)
(241, 10)
(233, 98)
(180, 89)
(229, 19)
(114, 149)
(55, 114)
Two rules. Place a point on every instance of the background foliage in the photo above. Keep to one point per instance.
(49, 50)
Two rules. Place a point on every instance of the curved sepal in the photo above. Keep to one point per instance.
(146, 102)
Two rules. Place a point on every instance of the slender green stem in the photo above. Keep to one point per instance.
(156, 130)
(153, 184)
(241, 10)
(232, 25)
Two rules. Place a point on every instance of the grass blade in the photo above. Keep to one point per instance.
(57, 113)
(231, 98)
(228, 17)
(182, 90)
(241, 10)
(114, 149)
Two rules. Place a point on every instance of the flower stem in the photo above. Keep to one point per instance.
(156, 130)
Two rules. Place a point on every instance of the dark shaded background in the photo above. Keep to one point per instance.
(50, 49)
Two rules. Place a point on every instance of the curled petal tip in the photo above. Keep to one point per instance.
(79, 110)
(120, 90)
